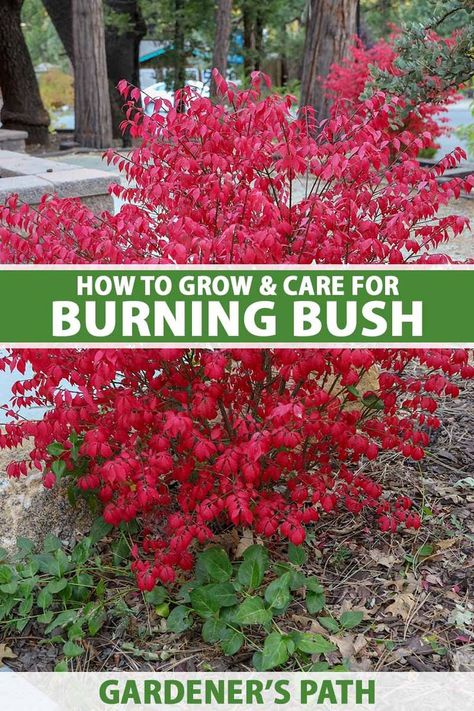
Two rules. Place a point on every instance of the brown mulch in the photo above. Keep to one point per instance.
(413, 588)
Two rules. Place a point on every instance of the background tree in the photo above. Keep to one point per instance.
(221, 39)
(124, 29)
(91, 96)
(330, 27)
(22, 105)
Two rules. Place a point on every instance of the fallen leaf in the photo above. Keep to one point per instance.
(387, 560)
(246, 540)
(348, 644)
(6, 653)
(446, 543)
(402, 606)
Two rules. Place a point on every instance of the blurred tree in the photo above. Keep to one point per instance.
(221, 39)
(124, 29)
(91, 96)
(22, 105)
(330, 27)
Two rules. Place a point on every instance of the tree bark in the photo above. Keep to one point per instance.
(249, 38)
(22, 105)
(179, 78)
(221, 40)
(330, 27)
(91, 91)
(122, 50)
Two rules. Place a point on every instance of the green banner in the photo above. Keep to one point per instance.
(236, 306)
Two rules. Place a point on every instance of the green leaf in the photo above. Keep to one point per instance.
(329, 623)
(96, 621)
(64, 618)
(251, 573)
(9, 588)
(55, 449)
(373, 402)
(213, 630)
(217, 564)
(7, 573)
(58, 468)
(257, 552)
(81, 552)
(156, 596)
(162, 610)
(252, 611)
(315, 602)
(99, 530)
(56, 586)
(179, 619)
(208, 599)
(313, 643)
(351, 619)
(314, 585)
(25, 546)
(232, 642)
(277, 593)
(25, 606)
(297, 554)
(75, 631)
(353, 390)
(45, 618)
(71, 649)
(275, 651)
(61, 666)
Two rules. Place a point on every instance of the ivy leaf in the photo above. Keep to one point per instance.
(96, 621)
(252, 611)
(6, 574)
(315, 602)
(156, 596)
(71, 649)
(208, 599)
(275, 651)
(179, 619)
(251, 573)
(313, 643)
(216, 563)
(351, 619)
(62, 620)
(232, 642)
(56, 586)
(259, 553)
(329, 623)
(297, 554)
(277, 593)
(213, 630)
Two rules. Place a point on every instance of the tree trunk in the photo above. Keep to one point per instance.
(221, 40)
(60, 14)
(259, 22)
(330, 27)
(22, 105)
(122, 49)
(249, 38)
(179, 78)
(91, 91)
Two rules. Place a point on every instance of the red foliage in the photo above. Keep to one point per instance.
(346, 83)
(186, 440)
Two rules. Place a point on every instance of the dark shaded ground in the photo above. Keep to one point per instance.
(414, 589)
